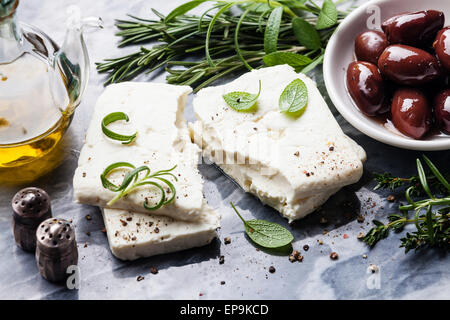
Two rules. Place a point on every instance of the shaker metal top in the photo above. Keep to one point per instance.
(55, 237)
(30, 205)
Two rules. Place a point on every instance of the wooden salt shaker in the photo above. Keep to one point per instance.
(56, 248)
(30, 207)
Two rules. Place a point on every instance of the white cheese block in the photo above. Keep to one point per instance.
(137, 235)
(291, 164)
(156, 112)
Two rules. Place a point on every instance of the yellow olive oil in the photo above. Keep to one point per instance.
(31, 121)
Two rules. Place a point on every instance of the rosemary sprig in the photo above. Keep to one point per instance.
(231, 36)
(432, 226)
(132, 181)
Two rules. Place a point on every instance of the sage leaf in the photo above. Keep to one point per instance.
(272, 30)
(182, 9)
(294, 98)
(327, 16)
(295, 60)
(305, 33)
(242, 101)
(266, 234)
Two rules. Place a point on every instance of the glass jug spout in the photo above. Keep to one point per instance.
(72, 60)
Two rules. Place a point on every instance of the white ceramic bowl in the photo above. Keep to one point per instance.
(340, 52)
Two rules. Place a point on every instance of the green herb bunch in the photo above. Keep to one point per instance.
(430, 215)
(230, 36)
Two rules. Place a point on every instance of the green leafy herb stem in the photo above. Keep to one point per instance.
(112, 117)
(228, 37)
(431, 216)
(266, 234)
(133, 179)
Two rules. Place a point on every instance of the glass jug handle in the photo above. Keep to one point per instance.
(72, 60)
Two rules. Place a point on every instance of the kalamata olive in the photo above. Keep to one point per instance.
(442, 110)
(408, 65)
(366, 86)
(369, 45)
(442, 47)
(411, 112)
(416, 29)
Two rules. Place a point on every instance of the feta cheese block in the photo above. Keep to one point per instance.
(156, 112)
(291, 164)
(134, 235)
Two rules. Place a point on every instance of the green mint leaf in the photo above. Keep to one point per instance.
(186, 7)
(272, 30)
(294, 98)
(327, 16)
(266, 234)
(306, 34)
(295, 60)
(242, 101)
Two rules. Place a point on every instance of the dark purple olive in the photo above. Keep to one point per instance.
(411, 113)
(442, 110)
(415, 29)
(366, 86)
(407, 65)
(442, 47)
(369, 45)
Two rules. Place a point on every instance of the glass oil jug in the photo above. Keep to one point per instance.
(41, 84)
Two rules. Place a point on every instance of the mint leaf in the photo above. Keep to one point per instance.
(266, 234)
(306, 34)
(272, 30)
(294, 98)
(242, 101)
(327, 16)
(295, 60)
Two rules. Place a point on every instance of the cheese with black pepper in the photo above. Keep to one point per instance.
(136, 235)
(156, 112)
(291, 164)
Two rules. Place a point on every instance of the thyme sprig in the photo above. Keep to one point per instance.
(133, 179)
(230, 36)
(388, 181)
(430, 215)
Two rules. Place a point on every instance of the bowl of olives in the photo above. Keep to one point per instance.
(387, 71)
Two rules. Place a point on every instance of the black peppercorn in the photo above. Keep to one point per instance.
(56, 248)
(30, 207)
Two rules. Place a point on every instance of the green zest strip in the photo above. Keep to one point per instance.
(112, 117)
(132, 181)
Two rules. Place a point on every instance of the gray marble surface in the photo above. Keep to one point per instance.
(196, 273)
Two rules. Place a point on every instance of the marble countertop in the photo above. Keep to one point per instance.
(196, 273)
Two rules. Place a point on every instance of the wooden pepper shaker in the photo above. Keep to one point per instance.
(30, 207)
(56, 248)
